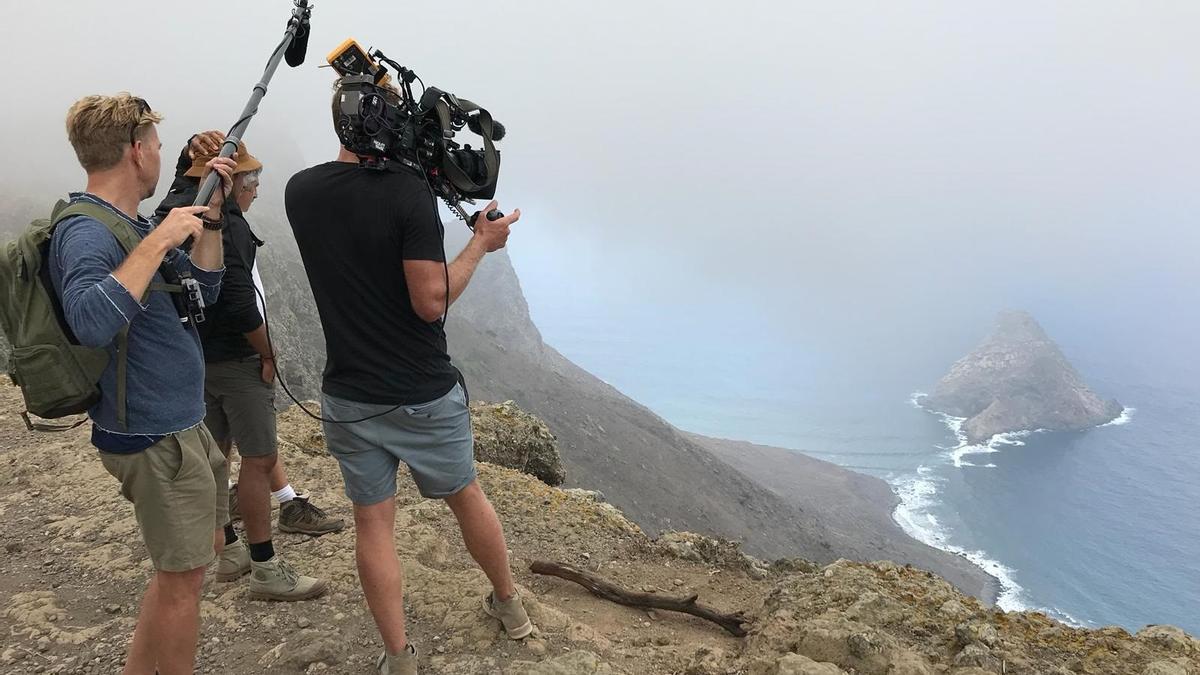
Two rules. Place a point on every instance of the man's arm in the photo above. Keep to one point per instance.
(258, 340)
(100, 291)
(427, 289)
(136, 272)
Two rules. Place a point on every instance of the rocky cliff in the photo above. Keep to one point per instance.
(1016, 380)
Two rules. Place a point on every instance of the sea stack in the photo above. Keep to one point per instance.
(1016, 380)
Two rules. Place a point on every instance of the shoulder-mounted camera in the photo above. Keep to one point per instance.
(389, 128)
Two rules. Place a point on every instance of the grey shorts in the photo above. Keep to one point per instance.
(434, 439)
(240, 406)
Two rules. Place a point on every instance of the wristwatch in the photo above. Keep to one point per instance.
(210, 224)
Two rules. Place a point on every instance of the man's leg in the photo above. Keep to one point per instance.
(247, 404)
(254, 497)
(379, 570)
(483, 536)
(168, 625)
(279, 481)
(177, 487)
(271, 577)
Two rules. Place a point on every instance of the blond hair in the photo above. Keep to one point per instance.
(99, 128)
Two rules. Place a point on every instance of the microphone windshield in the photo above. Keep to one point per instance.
(498, 129)
(296, 50)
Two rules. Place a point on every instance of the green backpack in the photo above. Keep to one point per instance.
(58, 376)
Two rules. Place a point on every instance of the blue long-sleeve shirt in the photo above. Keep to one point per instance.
(164, 381)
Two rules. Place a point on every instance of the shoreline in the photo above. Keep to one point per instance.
(856, 508)
(919, 493)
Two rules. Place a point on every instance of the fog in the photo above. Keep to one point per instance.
(849, 177)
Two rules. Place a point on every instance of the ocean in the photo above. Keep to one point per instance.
(1094, 528)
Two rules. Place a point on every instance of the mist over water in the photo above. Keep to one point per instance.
(776, 222)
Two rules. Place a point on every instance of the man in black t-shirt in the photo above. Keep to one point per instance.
(372, 246)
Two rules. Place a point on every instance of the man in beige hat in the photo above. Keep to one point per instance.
(239, 391)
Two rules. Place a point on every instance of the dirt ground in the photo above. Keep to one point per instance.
(73, 571)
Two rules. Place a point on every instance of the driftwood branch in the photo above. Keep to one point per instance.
(609, 591)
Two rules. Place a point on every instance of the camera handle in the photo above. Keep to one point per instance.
(494, 214)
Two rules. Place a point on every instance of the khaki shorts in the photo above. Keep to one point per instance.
(240, 406)
(180, 492)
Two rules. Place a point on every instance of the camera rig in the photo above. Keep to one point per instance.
(390, 128)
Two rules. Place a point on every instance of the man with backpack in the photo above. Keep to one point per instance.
(125, 287)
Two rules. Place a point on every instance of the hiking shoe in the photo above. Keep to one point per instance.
(403, 664)
(234, 561)
(511, 613)
(300, 515)
(275, 579)
(235, 513)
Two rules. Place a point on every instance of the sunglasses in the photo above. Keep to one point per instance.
(143, 108)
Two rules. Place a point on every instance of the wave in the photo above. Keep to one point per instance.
(1124, 418)
(919, 497)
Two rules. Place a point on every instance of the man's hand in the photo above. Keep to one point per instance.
(493, 234)
(224, 166)
(268, 369)
(175, 229)
(205, 143)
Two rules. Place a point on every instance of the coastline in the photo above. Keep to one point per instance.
(918, 494)
(857, 510)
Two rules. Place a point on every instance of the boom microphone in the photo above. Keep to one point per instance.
(299, 45)
(497, 128)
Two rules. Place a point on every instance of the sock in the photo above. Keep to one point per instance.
(262, 552)
(232, 484)
(230, 534)
(285, 494)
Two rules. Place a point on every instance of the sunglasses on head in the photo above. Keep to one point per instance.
(143, 108)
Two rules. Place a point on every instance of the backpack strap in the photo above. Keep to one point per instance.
(128, 238)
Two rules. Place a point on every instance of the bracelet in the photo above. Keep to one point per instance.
(209, 224)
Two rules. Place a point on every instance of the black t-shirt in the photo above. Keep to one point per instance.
(355, 227)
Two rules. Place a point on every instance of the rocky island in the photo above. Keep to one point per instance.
(1016, 380)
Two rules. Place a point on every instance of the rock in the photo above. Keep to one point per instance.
(510, 437)
(798, 664)
(574, 663)
(953, 609)
(905, 662)
(309, 647)
(1017, 380)
(699, 548)
(592, 495)
(978, 656)
(1166, 668)
(1170, 638)
(707, 661)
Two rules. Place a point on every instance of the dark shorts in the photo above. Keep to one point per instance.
(240, 406)
(434, 439)
(180, 492)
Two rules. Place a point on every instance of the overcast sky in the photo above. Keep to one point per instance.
(834, 161)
